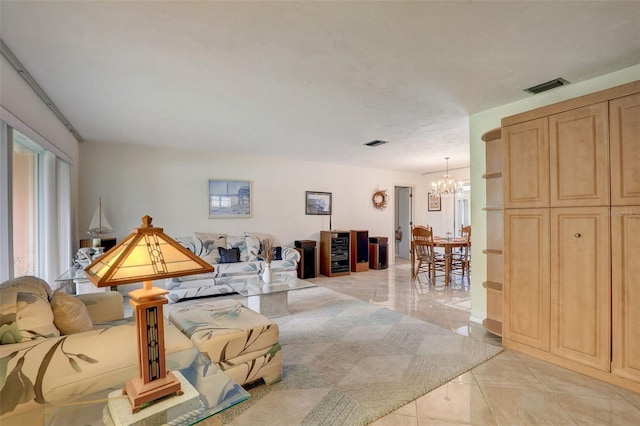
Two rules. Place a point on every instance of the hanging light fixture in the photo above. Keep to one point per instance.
(446, 186)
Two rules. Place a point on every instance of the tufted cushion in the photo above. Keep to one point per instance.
(70, 315)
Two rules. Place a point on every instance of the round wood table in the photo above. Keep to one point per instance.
(448, 246)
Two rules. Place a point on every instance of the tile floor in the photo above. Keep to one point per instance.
(510, 389)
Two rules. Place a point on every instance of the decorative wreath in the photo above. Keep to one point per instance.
(380, 199)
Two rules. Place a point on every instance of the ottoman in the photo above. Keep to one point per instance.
(243, 343)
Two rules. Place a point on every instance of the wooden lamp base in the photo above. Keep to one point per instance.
(154, 380)
(140, 393)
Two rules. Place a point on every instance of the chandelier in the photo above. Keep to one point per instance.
(446, 186)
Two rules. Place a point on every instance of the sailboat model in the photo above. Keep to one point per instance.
(99, 224)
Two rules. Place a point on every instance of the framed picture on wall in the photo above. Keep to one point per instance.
(434, 202)
(229, 199)
(317, 202)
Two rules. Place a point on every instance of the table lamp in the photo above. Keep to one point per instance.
(147, 254)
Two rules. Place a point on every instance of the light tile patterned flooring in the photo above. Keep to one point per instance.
(509, 389)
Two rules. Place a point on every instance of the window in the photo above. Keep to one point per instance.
(35, 208)
(25, 207)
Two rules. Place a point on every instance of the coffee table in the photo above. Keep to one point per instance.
(214, 392)
(271, 300)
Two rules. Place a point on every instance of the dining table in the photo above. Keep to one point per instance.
(448, 244)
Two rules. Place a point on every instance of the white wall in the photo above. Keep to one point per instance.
(486, 120)
(171, 186)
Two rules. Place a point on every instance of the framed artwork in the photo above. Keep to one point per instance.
(434, 202)
(317, 202)
(229, 199)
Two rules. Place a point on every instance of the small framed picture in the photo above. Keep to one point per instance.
(229, 199)
(317, 202)
(434, 202)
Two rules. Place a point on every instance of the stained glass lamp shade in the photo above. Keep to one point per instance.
(147, 254)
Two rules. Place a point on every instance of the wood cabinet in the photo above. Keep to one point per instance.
(526, 275)
(525, 159)
(625, 237)
(580, 285)
(571, 184)
(579, 157)
(334, 253)
(493, 251)
(625, 150)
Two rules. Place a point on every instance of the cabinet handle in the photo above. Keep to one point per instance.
(577, 235)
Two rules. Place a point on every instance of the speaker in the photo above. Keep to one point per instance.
(378, 252)
(307, 264)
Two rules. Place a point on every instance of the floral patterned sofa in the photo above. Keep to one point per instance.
(232, 256)
(56, 347)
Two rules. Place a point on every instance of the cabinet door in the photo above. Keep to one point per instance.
(625, 150)
(579, 156)
(525, 161)
(581, 285)
(625, 240)
(526, 277)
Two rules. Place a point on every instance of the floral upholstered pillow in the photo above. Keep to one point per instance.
(239, 242)
(210, 243)
(254, 244)
(34, 317)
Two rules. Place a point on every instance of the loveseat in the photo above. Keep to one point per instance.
(233, 257)
(56, 347)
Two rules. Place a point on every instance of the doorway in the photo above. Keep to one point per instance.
(403, 221)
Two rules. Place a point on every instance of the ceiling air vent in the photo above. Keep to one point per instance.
(376, 142)
(548, 85)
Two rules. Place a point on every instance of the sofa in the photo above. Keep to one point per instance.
(233, 257)
(56, 347)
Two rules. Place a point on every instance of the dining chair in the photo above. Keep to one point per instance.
(461, 259)
(428, 260)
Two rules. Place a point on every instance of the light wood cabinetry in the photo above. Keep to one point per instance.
(493, 251)
(526, 275)
(525, 159)
(581, 285)
(571, 184)
(625, 150)
(579, 157)
(625, 233)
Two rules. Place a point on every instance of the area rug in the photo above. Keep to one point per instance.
(348, 362)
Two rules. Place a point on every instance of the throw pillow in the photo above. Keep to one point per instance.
(210, 243)
(70, 315)
(34, 317)
(29, 284)
(231, 255)
(239, 242)
(254, 244)
(8, 305)
(277, 255)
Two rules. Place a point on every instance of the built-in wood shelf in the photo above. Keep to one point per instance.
(491, 251)
(494, 175)
(492, 285)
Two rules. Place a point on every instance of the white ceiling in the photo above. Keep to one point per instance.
(309, 80)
